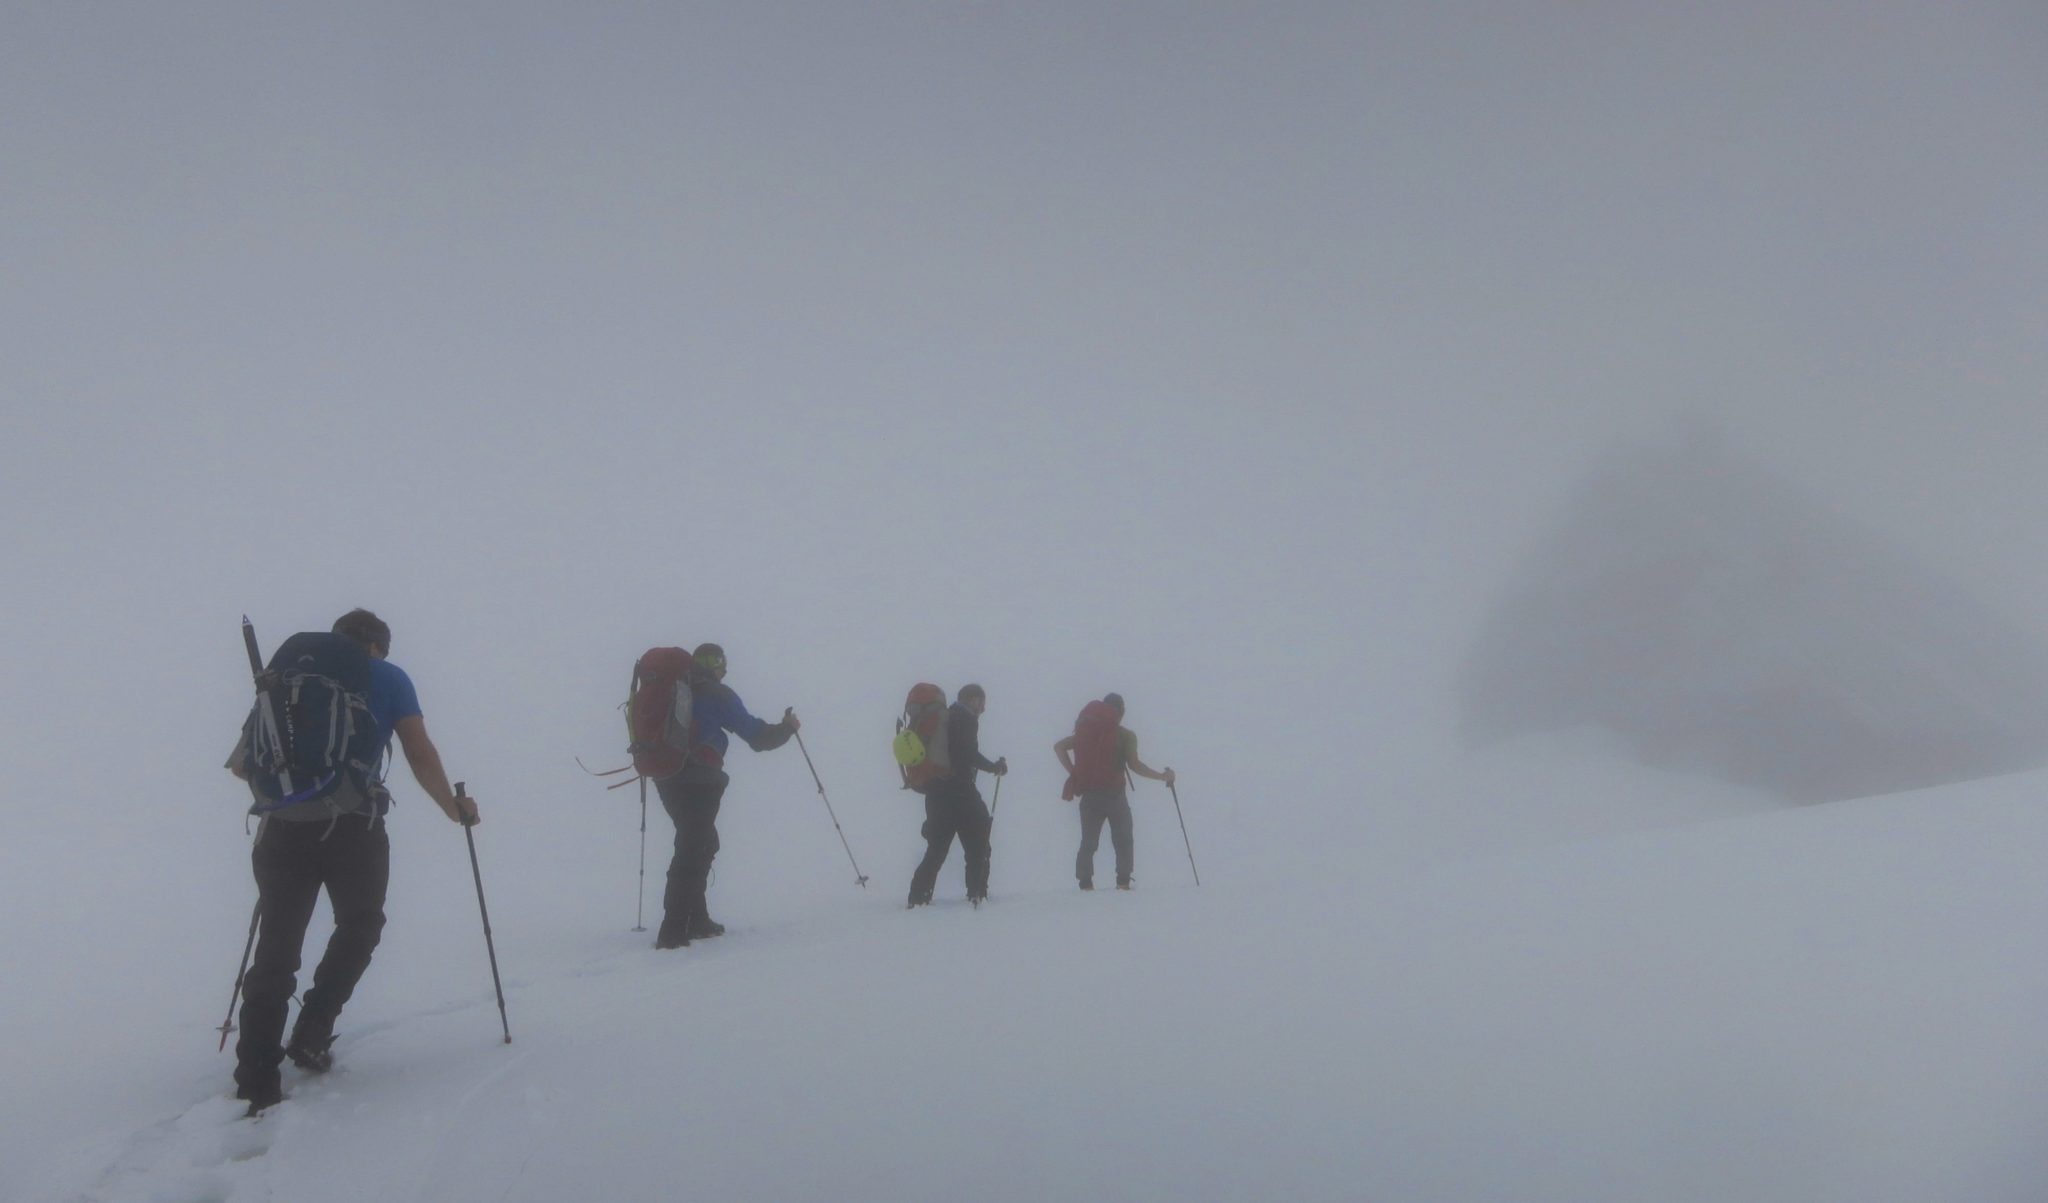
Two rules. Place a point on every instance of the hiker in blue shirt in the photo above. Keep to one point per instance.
(337, 842)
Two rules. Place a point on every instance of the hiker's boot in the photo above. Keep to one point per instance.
(1123, 883)
(260, 1098)
(704, 927)
(672, 935)
(311, 1047)
(258, 1085)
(1087, 885)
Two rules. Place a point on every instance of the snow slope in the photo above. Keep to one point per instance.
(1833, 1003)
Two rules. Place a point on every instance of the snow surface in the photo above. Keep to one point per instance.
(1833, 1003)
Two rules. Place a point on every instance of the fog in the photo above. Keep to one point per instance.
(1192, 354)
(1235, 361)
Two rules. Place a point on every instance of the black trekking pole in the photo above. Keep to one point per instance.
(858, 876)
(485, 911)
(228, 1025)
(640, 909)
(995, 801)
(1184, 831)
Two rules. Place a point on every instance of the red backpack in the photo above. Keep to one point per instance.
(658, 712)
(921, 745)
(1098, 763)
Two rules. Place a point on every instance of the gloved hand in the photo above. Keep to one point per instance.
(1002, 766)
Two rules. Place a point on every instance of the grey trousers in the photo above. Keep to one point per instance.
(1097, 806)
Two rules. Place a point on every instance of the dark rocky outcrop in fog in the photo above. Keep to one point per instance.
(1721, 620)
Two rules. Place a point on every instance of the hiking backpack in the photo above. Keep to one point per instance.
(921, 752)
(1097, 762)
(660, 720)
(310, 731)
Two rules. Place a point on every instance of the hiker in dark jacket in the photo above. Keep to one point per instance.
(338, 842)
(691, 796)
(953, 805)
(1100, 790)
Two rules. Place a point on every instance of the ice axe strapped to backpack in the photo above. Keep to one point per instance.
(310, 732)
(922, 756)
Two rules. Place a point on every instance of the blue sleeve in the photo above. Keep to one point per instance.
(392, 699)
(392, 696)
(733, 717)
(406, 701)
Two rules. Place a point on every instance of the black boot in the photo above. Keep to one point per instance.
(260, 1099)
(692, 921)
(311, 1047)
(258, 1085)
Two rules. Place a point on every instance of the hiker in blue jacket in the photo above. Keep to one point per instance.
(691, 795)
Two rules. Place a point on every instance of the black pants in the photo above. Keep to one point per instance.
(948, 813)
(352, 859)
(693, 806)
(1096, 806)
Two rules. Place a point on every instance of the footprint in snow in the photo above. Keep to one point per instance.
(188, 1158)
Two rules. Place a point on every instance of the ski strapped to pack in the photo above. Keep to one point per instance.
(310, 730)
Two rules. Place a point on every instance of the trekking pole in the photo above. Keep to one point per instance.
(228, 1025)
(858, 876)
(994, 802)
(640, 908)
(485, 911)
(1184, 831)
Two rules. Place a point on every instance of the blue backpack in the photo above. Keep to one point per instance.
(310, 732)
